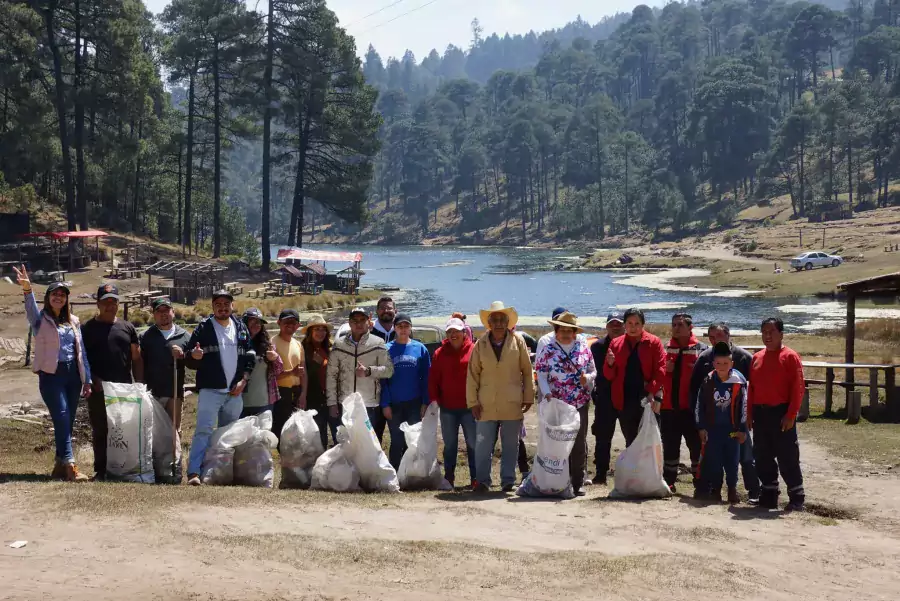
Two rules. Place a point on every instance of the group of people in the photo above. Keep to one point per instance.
(712, 397)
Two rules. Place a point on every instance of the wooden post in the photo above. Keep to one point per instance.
(854, 407)
(98, 251)
(28, 349)
(823, 239)
(873, 388)
(801, 238)
(803, 415)
(125, 311)
(829, 390)
(890, 392)
(850, 340)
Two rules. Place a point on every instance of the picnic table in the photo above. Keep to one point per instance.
(234, 288)
(889, 385)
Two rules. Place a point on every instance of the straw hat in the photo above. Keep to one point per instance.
(316, 320)
(566, 320)
(497, 307)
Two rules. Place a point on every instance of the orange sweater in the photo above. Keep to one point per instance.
(777, 379)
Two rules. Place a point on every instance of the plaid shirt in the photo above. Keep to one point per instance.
(272, 374)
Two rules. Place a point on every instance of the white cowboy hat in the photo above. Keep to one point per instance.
(497, 307)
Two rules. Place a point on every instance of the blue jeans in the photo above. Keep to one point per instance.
(214, 409)
(722, 452)
(486, 439)
(409, 412)
(451, 421)
(61, 392)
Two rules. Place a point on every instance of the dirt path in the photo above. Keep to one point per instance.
(436, 546)
(722, 253)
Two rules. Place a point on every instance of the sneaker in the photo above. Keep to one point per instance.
(99, 477)
(194, 480)
(753, 498)
(508, 487)
(733, 497)
(672, 488)
(700, 494)
(580, 492)
(73, 475)
(793, 506)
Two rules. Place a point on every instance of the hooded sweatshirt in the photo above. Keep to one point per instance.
(722, 405)
(447, 380)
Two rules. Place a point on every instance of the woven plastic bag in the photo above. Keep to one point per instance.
(639, 467)
(364, 450)
(301, 446)
(129, 441)
(419, 468)
(549, 477)
(334, 470)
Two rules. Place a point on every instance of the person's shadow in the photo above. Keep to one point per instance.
(744, 513)
(5, 478)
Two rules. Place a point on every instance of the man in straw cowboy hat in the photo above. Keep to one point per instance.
(499, 390)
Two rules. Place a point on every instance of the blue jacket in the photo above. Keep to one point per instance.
(722, 404)
(410, 380)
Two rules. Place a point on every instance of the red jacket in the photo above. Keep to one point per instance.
(653, 364)
(689, 356)
(777, 379)
(447, 378)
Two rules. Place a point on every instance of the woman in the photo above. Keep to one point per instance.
(316, 349)
(262, 388)
(566, 371)
(462, 317)
(447, 386)
(61, 364)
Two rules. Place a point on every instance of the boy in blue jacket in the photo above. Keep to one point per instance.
(721, 416)
(404, 397)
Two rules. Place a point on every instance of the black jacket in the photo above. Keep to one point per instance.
(704, 365)
(209, 369)
(602, 392)
(158, 362)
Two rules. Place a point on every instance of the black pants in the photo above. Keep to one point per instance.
(97, 415)
(578, 456)
(676, 424)
(605, 417)
(776, 451)
(284, 407)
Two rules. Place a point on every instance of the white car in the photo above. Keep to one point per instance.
(815, 259)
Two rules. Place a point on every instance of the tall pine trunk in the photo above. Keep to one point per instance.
(81, 197)
(217, 151)
(267, 138)
(189, 167)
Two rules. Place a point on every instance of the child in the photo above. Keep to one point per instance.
(721, 416)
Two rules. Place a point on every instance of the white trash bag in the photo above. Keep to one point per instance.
(218, 466)
(129, 442)
(218, 463)
(639, 467)
(253, 463)
(419, 468)
(333, 470)
(166, 446)
(301, 446)
(364, 450)
(549, 477)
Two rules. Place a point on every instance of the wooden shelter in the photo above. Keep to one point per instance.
(69, 250)
(878, 286)
(190, 281)
(309, 277)
(345, 281)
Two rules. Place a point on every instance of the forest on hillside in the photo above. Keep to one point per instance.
(676, 119)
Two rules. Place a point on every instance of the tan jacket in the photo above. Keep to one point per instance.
(500, 387)
(340, 375)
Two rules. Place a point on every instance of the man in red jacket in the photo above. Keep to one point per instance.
(775, 395)
(447, 386)
(676, 419)
(635, 366)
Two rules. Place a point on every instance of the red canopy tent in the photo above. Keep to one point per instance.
(57, 236)
(305, 254)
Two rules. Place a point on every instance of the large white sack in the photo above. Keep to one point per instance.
(333, 470)
(218, 463)
(129, 441)
(253, 463)
(301, 446)
(549, 477)
(419, 469)
(364, 450)
(166, 446)
(218, 466)
(639, 467)
(239, 431)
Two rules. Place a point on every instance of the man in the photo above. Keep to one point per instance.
(605, 415)
(676, 418)
(114, 355)
(404, 396)
(776, 391)
(635, 365)
(292, 381)
(220, 350)
(358, 362)
(499, 390)
(161, 351)
(384, 325)
(720, 332)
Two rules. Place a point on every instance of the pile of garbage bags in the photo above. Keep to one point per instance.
(241, 453)
(419, 468)
(639, 468)
(549, 476)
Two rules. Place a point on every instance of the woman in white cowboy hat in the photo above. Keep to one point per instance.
(316, 349)
(566, 371)
(499, 390)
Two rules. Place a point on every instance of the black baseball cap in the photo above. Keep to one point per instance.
(356, 310)
(402, 318)
(288, 314)
(222, 294)
(256, 313)
(558, 311)
(161, 302)
(615, 316)
(57, 286)
(107, 291)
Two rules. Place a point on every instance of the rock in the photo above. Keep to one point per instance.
(25, 409)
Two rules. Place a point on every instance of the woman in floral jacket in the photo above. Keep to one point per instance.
(566, 371)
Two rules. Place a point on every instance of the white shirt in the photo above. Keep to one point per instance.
(387, 333)
(166, 333)
(228, 350)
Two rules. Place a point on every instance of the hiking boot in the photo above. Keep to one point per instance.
(508, 487)
(72, 474)
(793, 506)
(480, 488)
(768, 502)
(59, 470)
(733, 497)
(700, 494)
(194, 480)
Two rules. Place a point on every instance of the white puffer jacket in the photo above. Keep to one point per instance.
(341, 375)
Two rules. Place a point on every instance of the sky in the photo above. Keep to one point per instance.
(438, 23)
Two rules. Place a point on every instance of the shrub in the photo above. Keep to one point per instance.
(727, 237)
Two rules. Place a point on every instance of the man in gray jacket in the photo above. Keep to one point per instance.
(358, 362)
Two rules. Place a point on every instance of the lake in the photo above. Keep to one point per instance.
(434, 282)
